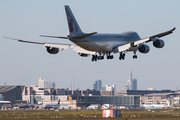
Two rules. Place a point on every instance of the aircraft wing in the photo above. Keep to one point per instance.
(129, 46)
(58, 45)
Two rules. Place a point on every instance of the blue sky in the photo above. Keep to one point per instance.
(23, 64)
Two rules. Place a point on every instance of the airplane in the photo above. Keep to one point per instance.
(100, 44)
(55, 106)
(155, 106)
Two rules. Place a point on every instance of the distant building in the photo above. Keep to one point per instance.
(125, 87)
(50, 84)
(131, 83)
(134, 84)
(40, 92)
(34, 85)
(103, 88)
(98, 85)
(1, 97)
(110, 87)
(11, 93)
(150, 89)
(41, 83)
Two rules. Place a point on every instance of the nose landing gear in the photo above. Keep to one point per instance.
(134, 56)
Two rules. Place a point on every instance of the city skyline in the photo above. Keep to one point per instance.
(23, 64)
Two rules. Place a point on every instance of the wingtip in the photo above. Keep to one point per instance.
(173, 28)
(7, 37)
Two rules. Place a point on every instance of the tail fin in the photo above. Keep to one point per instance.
(142, 102)
(72, 23)
(58, 101)
(71, 97)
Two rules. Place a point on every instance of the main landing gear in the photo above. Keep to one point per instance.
(122, 56)
(109, 56)
(96, 57)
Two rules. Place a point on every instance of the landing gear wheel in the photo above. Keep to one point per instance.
(122, 56)
(134, 56)
(112, 56)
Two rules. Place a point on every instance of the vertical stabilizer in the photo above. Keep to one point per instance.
(72, 23)
(58, 102)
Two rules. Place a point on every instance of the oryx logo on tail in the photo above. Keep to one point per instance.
(72, 23)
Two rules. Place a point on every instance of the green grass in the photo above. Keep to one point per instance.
(88, 115)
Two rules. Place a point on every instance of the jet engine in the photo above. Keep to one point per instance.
(144, 48)
(158, 43)
(52, 50)
(83, 54)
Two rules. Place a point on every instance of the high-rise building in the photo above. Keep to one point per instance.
(131, 83)
(98, 85)
(134, 84)
(41, 83)
(50, 84)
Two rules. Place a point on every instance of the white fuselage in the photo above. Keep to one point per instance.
(105, 42)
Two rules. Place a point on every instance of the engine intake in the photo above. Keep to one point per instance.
(52, 50)
(144, 48)
(83, 54)
(158, 43)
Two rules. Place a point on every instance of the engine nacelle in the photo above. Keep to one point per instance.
(144, 48)
(83, 54)
(52, 50)
(158, 43)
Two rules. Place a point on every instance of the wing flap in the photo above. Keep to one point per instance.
(140, 41)
(81, 50)
(57, 45)
(122, 48)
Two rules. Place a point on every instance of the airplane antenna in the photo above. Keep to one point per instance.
(98, 76)
(74, 85)
(71, 85)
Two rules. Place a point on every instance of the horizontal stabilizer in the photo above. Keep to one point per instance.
(54, 36)
(83, 36)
